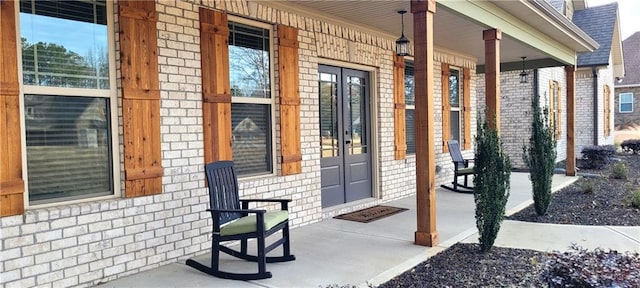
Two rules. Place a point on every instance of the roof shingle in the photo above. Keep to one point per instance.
(557, 4)
(631, 55)
(599, 23)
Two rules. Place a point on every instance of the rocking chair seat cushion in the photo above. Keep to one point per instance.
(464, 171)
(247, 224)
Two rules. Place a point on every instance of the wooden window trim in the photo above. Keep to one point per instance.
(11, 182)
(140, 99)
(446, 107)
(288, 79)
(466, 95)
(555, 97)
(607, 110)
(216, 95)
(464, 107)
(400, 147)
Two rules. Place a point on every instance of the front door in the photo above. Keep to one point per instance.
(344, 135)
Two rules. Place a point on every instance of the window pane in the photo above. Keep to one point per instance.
(454, 124)
(626, 107)
(626, 98)
(329, 115)
(249, 61)
(454, 99)
(410, 132)
(357, 115)
(409, 86)
(64, 44)
(251, 141)
(68, 147)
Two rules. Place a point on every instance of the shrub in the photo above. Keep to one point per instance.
(631, 146)
(633, 200)
(587, 187)
(619, 171)
(540, 156)
(579, 267)
(597, 156)
(491, 183)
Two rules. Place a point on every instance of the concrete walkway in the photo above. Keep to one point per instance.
(344, 252)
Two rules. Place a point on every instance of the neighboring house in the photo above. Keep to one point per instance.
(309, 97)
(627, 90)
(595, 74)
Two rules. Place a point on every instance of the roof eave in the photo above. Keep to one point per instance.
(568, 27)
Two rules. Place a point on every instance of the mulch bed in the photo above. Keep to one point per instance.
(606, 204)
(462, 265)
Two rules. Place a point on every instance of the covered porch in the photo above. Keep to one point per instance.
(496, 34)
(344, 252)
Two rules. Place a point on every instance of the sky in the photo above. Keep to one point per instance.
(629, 14)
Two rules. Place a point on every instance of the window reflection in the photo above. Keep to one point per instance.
(249, 61)
(328, 115)
(250, 124)
(64, 44)
(68, 147)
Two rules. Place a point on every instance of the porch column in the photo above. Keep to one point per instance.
(423, 13)
(570, 72)
(491, 39)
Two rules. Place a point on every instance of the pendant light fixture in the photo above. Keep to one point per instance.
(402, 44)
(523, 75)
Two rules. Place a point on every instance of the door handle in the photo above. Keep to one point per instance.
(347, 142)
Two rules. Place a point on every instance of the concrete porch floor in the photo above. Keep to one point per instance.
(344, 252)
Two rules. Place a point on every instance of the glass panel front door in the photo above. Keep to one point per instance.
(344, 135)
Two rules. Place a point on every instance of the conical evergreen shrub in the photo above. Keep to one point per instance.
(492, 169)
(540, 156)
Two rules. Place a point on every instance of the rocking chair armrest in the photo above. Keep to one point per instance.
(283, 202)
(253, 211)
(464, 163)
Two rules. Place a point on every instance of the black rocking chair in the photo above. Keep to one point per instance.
(241, 224)
(460, 168)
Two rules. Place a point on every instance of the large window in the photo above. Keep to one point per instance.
(252, 103)
(68, 79)
(626, 102)
(410, 108)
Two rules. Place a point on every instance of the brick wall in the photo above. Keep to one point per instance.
(585, 107)
(584, 100)
(516, 113)
(605, 77)
(626, 118)
(86, 243)
(545, 75)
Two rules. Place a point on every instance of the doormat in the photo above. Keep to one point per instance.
(371, 214)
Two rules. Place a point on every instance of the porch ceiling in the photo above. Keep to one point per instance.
(452, 31)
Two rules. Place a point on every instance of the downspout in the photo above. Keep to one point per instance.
(595, 105)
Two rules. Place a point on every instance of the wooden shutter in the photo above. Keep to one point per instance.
(446, 107)
(399, 107)
(607, 111)
(559, 109)
(11, 183)
(140, 97)
(288, 75)
(216, 96)
(466, 98)
(552, 108)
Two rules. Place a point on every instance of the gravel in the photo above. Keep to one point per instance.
(463, 265)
